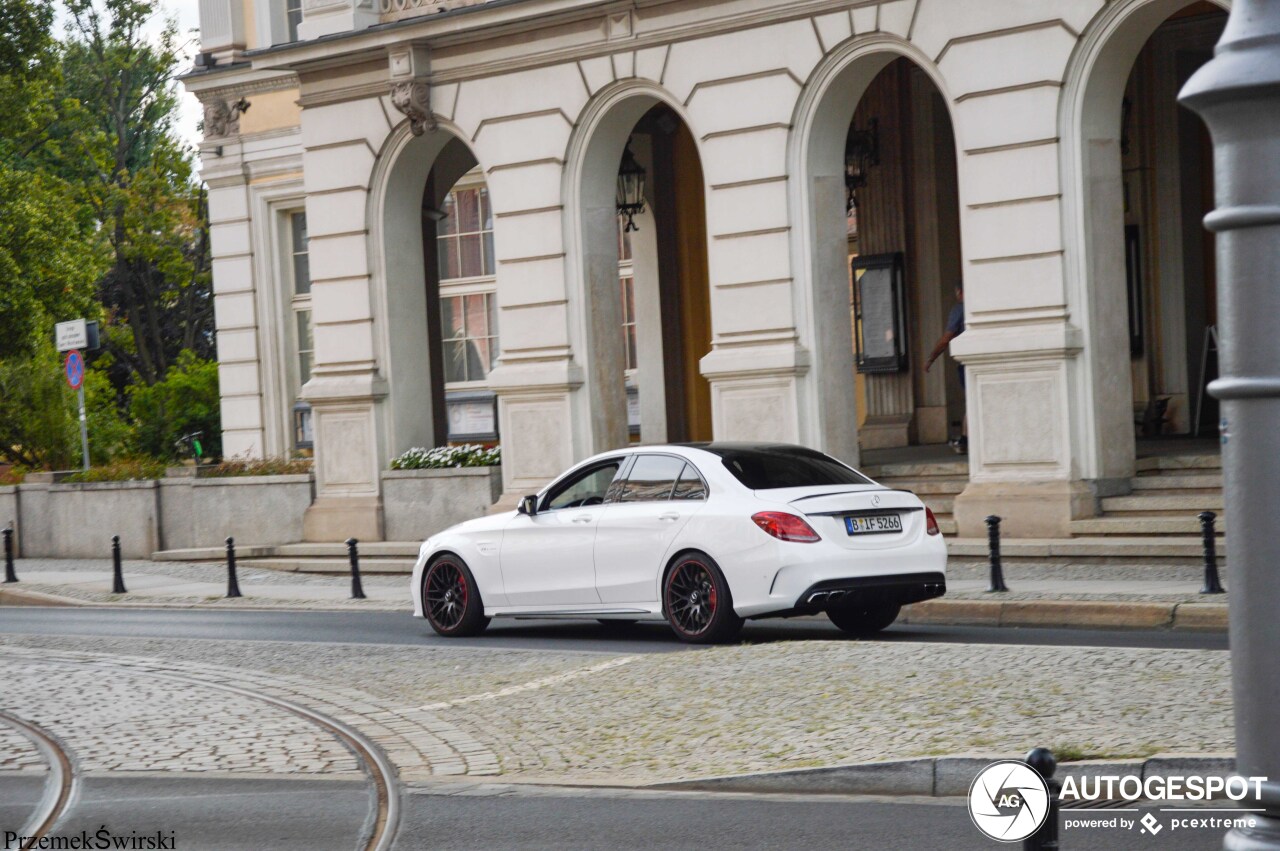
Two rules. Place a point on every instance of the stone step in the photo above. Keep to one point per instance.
(946, 525)
(906, 470)
(941, 505)
(1199, 461)
(1177, 481)
(921, 487)
(369, 566)
(1138, 526)
(1188, 503)
(1094, 548)
(370, 549)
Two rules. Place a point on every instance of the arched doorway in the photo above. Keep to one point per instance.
(885, 245)
(646, 307)
(437, 293)
(1147, 265)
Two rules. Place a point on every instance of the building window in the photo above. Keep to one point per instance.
(464, 236)
(470, 336)
(293, 14)
(301, 262)
(627, 278)
(302, 331)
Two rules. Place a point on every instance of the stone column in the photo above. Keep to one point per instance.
(224, 169)
(348, 388)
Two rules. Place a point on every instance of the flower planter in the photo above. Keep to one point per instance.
(418, 503)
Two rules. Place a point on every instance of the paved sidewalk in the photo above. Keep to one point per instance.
(1042, 594)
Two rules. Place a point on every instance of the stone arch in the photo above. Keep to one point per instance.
(410, 364)
(815, 159)
(1093, 238)
(589, 185)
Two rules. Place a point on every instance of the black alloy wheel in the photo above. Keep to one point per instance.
(451, 600)
(863, 621)
(697, 601)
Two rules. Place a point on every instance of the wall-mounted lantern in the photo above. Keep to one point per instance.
(630, 188)
(861, 152)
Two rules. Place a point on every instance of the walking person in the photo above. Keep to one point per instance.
(955, 327)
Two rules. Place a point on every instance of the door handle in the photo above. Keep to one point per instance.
(669, 516)
(583, 518)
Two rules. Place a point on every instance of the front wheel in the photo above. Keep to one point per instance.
(450, 599)
(697, 601)
(863, 621)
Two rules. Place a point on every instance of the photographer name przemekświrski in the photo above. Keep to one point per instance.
(103, 838)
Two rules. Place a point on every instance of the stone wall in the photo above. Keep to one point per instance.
(419, 503)
(263, 510)
(78, 520)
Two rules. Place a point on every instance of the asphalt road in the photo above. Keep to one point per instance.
(401, 628)
(700, 821)
(248, 815)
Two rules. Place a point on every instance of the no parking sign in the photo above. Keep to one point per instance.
(73, 366)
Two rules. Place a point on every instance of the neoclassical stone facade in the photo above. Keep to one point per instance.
(1026, 139)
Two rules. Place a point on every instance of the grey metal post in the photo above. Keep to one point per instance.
(233, 582)
(117, 572)
(1237, 93)
(357, 589)
(993, 551)
(9, 574)
(1046, 838)
(84, 429)
(1212, 585)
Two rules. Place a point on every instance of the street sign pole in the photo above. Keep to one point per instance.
(84, 429)
(1237, 93)
(73, 367)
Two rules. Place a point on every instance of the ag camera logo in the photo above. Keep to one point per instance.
(1008, 801)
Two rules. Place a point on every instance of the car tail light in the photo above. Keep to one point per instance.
(930, 522)
(786, 527)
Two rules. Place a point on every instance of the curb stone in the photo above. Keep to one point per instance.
(936, 776)
(1069, 613)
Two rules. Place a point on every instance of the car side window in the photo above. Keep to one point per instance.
(587, 488)
(689, 485)
(652, 478)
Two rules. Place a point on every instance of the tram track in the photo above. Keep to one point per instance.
(59, 790)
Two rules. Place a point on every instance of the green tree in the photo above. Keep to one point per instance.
(184, 402)
(138, 179)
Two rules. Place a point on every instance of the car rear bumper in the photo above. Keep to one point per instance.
(901, 590)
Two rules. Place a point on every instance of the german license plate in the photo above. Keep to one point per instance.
(870, 524)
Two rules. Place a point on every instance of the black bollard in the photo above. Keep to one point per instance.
(1212, 585)
(1046, 838)
(357, 590)
(233, 585)
(993, 543)
(117, 572)
(9, 574)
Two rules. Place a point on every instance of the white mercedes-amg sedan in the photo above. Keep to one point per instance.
(701, 535)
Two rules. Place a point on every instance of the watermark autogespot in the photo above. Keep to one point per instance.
(1009, 801)
(103, 838)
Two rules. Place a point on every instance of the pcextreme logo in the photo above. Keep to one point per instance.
(1008, 801)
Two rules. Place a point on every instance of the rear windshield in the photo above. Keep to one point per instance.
(786, 467)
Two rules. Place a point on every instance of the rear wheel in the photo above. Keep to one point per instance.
(697, 601)
(863, 620)
(450, 599)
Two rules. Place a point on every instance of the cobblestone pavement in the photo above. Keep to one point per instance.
(17, 753)
(605, 718)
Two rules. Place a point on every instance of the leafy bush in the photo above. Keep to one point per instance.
(257, 467)
(185, 401)
(121, 470)
(13, 475)
(468, 455)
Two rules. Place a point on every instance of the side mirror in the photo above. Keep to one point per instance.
(528, 505)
